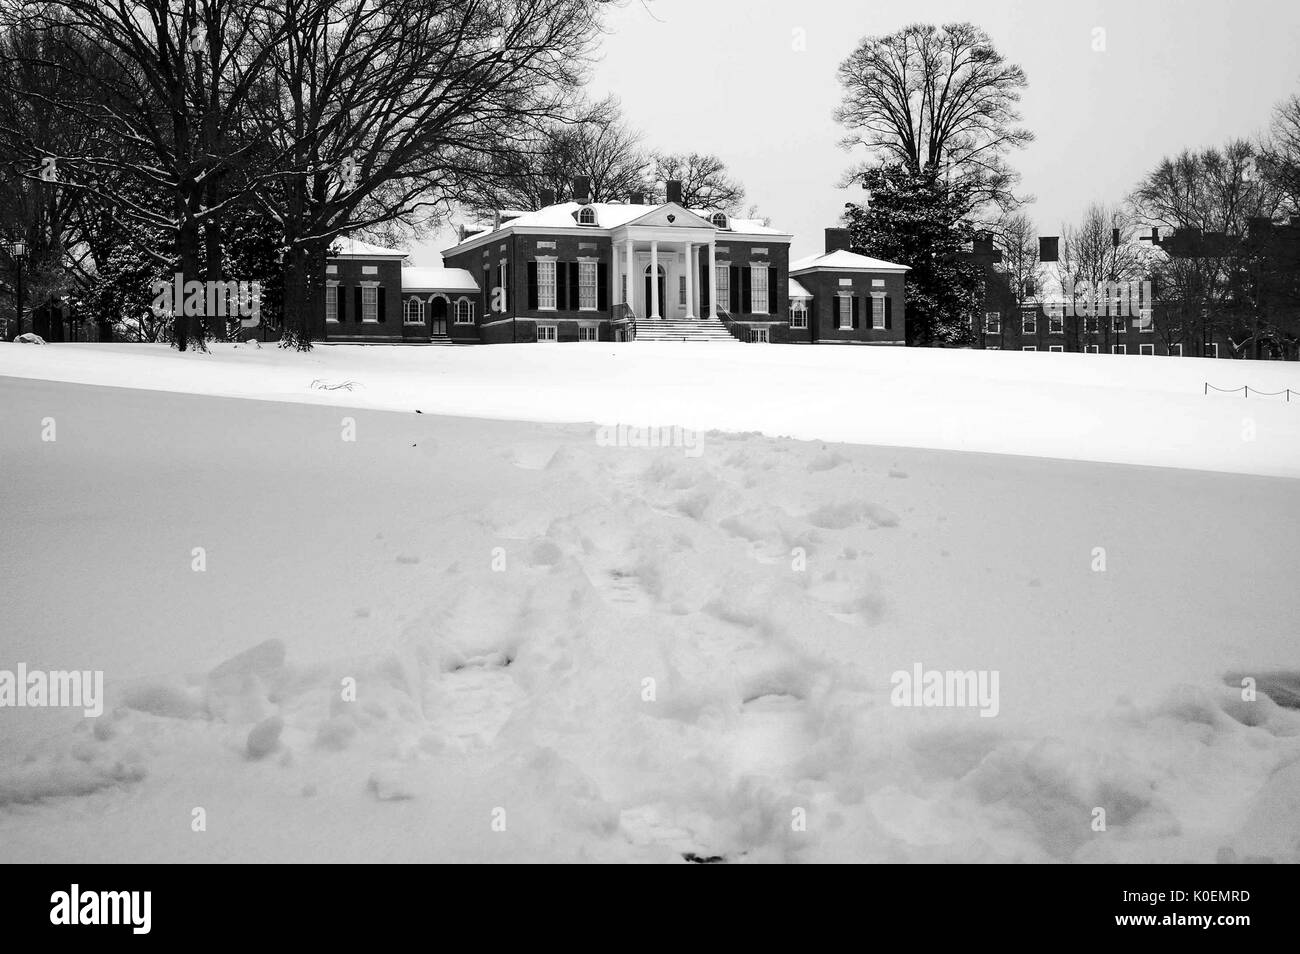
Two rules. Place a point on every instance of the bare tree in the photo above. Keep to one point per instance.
(938, 97)
(1089, 253)
(704, 179)
(1017, 238)
(1280, 152)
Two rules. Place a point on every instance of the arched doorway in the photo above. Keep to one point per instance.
(663, 291)
(438, 316)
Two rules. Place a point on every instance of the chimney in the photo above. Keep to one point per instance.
(1114, 237)
(675, 191)
(581, 188)
(1155, 235)
(1048, 248)
(837, 240)
(636, 198)
(547, 197)
(1295, 220)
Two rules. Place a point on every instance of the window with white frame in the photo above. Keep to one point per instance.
(587, 333)
(546, 284)
(759, 336)
(798, 313)
(877, 311)
(723, 282)
(1055, 324)
(587, 216)
(546, 333)
(1090, 325)
(1147, 349)
(1176, 350)
(719, 220)
(844, 308)
(1118, 349)
(414, 311)
(332, 302)
(369, 302)
(681, 290)
(464, 312)
(993, 322)
(1092, 349)
(758, 289)
(1029, 324)
(1029, 348)
(1212, 349)
(587, 286)
(1055, 348)
(1144, 321)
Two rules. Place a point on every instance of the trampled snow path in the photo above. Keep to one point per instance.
(1120, 409)
(500, 592)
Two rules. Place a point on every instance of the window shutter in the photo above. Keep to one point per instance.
(889, 317)
(602, 286)
(341, 302)
(746, 290)
(704, 286)
(357, 299)
(733, 273)
(487, 288)
(853, 313)
(561, 286)
(382, 313)
(532, 286)
(575, 298)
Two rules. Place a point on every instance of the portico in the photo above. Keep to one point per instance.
(658, 260)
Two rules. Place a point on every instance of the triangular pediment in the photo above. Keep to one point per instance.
(670, 215)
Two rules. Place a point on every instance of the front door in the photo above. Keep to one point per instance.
(663, 290)
(438, 317)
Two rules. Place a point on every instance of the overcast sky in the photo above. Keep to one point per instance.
(753, 81)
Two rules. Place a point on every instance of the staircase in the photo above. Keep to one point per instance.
(682, 329)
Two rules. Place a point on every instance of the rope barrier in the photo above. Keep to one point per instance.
(1246, 388)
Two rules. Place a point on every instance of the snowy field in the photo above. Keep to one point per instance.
(502, 590)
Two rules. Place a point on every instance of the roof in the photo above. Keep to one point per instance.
(798, 291)
(843, 260)
(609, 215)
(355, 248)
(438, 279)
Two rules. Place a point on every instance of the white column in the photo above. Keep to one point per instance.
(614, 276)
(631, 279)
(713, 280)
(654, 278)
(690, 280)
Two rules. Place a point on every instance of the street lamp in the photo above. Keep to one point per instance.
(18, 250)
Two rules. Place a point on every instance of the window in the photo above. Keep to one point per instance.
(414, 311)
(758, 289)
(1144, 321)
(1175, 350)
(587, 286)
(1212, 349)
(1118, 349)
(546, 285)
(723, 281)
(877, 311)
(369, 302)
(844, 304)
(1146, 349)
(681, 290)
(719, 220)
(587, 333)
(332, 302)
(1055, 348)
(993, 322)
(758, 336)
(1117, 325)
(369, 269)
(1029, 348)
(1092, 349)
(546, 333)
(1029, 324)
(1090, 325)
(1055, 325)
(587, 216)
(877, 283)
(798, 313)
(464, 312)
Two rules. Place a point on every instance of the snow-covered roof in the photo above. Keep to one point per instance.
(609, 215)
(798, 291)
(438, 279)
(842, 260)
(355, 248)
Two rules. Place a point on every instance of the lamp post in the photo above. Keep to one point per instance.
(18, 251)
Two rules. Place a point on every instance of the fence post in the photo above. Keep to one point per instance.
(1246, 389)
(1207, 388)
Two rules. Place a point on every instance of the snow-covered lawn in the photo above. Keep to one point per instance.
(1121, 409)
(501, 590)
